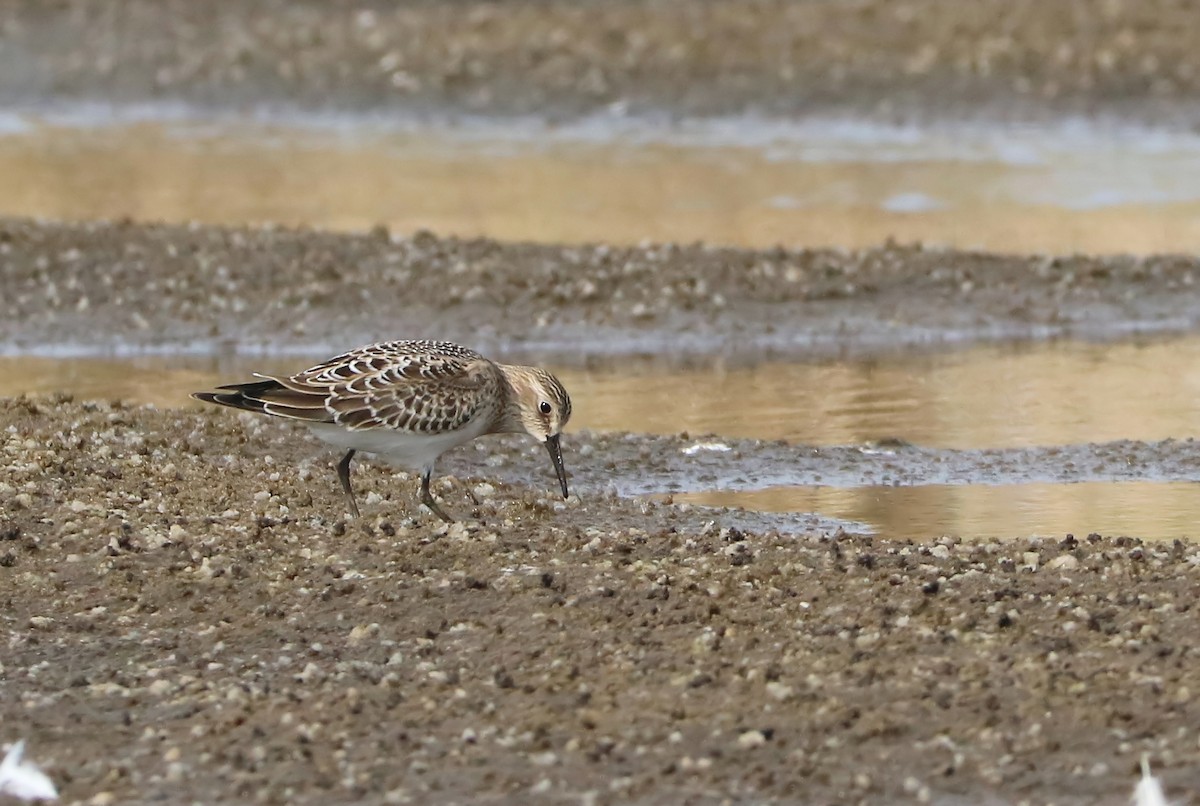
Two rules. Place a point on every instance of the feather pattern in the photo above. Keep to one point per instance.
(420, 387)
(410, 401)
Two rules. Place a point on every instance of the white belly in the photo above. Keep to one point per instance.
(406, 449)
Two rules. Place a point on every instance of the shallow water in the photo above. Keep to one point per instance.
(1061, 188)
(1058, 393)
(989, 396)
(1156, 510)
(1064, 188)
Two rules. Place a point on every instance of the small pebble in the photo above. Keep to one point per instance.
(751, 739)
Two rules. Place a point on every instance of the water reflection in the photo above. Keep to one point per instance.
(988, 396)
(1062, 192)
(1043, 394)
(1161, 511)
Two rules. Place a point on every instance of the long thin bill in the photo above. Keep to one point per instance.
(556, 456)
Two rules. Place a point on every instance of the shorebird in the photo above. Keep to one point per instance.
(410, 402)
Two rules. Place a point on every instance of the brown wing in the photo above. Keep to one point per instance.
(269, 396)
(423, 387)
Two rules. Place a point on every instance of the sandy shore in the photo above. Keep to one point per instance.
(99, 287)
(190, 615)
(895, 60)
(184, 585)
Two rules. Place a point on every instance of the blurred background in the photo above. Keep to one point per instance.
(1011, 126)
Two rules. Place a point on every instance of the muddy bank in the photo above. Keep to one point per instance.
(682, 463)
(196, 619)
(102, 287)
(897, 60)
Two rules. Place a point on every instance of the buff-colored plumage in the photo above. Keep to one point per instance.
(410, 401)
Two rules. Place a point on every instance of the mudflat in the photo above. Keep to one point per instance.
(896, 60)
(191, 616)
(103, 286)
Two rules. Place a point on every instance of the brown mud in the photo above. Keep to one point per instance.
(895, 60)
(191, 616)
(99, 287)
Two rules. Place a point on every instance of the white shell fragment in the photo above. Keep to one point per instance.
(22, 779)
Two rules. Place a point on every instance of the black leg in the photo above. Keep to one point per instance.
(427, 499)
(344, 475)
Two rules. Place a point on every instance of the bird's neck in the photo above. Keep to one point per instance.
(513, 381)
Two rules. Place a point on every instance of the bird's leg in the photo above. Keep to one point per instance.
(344, 475)
(427, 499)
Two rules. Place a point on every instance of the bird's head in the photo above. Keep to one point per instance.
(542, 409)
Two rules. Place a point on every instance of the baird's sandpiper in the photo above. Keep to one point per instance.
(410, 401)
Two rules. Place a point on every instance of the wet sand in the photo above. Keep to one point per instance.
(192, 616)
(185, 586)
(893, 60)
(96, 288)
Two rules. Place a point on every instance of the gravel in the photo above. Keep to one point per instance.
(195, 289)
(897, 60)
(191, 616)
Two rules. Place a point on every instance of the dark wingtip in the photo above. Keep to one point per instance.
(220, 398)
(239, 395)
(234, 400)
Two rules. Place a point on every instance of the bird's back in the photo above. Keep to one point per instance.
(419, 387)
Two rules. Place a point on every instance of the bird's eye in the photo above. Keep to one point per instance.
(544, 408)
